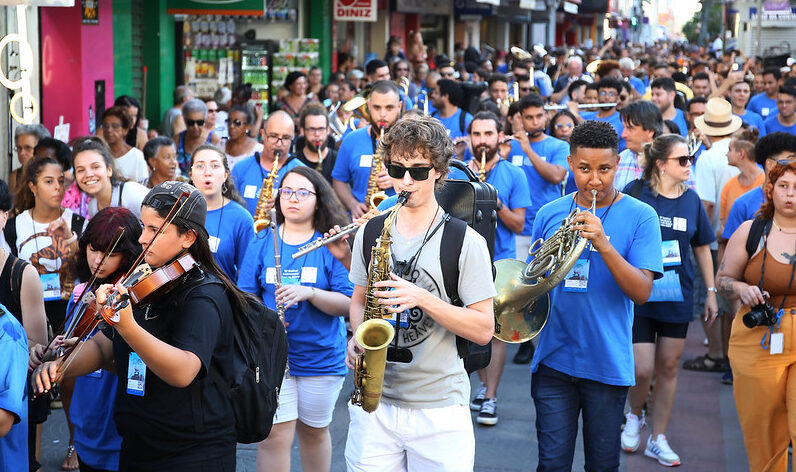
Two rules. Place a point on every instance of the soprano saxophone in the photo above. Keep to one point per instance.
(374, 196)
(280, 307)
(262, 218)
(375, 333)
(482, 170)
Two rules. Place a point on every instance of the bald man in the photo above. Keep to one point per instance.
(249, 173)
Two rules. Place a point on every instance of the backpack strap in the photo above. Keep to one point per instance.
(637, 188)
(10, 232)
(452, 241)
(370, 233)
(462, 116)
(78, 220)
(121, 189)
(759, 226)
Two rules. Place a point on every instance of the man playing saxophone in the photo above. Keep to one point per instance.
(250, 174)
(584, 361)
(352, 170)
(422, 421)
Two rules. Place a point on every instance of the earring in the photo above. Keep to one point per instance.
(224, 188)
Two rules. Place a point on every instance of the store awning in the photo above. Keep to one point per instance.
(204, 7)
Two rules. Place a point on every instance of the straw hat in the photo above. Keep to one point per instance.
(718, 119)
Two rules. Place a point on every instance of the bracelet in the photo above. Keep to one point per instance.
(713, 289)
(72, 239)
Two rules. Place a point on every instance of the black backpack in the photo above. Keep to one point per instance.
(259, 360)
(756, 231)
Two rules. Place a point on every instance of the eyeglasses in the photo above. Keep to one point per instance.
(402, 69)
(607, 94)
(527, 89)
(274, 139)
(23, 148)
(198, 123)
(235, 123)
(416, 173)
(113, 126)
(315, 130)
(684, 160)
(301, 194)
(623, 97)
(214, 166)
(564, 125)
(212, 110)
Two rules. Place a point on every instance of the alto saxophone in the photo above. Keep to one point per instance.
(262, 218)
(374, 196)
(280, 307)
(482, 170)
(375, 333)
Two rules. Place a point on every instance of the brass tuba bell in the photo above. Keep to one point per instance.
(359, 106)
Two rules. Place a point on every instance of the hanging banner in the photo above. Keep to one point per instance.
(216, 7)
(355, 10)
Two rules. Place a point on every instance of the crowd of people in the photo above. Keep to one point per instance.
(680, 162)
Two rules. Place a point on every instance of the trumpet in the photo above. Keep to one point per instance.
(693, 143)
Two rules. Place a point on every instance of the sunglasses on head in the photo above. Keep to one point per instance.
(190, 123)
(684, 160)
(787, 160)
(416, 173)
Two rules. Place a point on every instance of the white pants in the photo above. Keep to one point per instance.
(393, 438)
(523, 243)
(310, 399)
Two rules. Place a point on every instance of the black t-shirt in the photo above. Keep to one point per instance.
(168, 425)
(328, 161)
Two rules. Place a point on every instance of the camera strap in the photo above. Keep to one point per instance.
(781, 311)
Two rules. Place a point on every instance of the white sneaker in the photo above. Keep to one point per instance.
(478, 399)
(659, 449)
(631, 432)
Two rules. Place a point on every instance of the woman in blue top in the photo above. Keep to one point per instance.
(316, 294)
(229, 225)
(660, 325)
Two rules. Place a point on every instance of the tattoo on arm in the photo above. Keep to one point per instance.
(725, 286)
(790, 257)
(721, 266)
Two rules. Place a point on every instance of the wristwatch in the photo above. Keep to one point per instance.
(713, 289)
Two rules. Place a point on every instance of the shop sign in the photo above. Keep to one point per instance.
(570, 7)
(424, 7)
(472, 8)
(777, 16)
(355, 10)
(216, 7)
(491, 2)
(40, 3)
(89, 10)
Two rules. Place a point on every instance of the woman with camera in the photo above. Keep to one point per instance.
(758, 268)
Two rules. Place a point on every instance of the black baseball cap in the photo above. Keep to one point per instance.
(193, 210)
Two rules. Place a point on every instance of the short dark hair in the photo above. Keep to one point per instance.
(531, 100)
(6, 200)
(643, 113)
(555, 118)
(665, 83)
(701, 76)
(592, 86)
(697, 99)
(672, 126)
(593, 134)
(118, 112)
(385, 86)
(520, 65)
(293, 77)
(574, 85)
(773, 71)
(660, 65)
(62, 151)
(485, 116)
(773, 143)
(609, 82)
(788, 90)
(452, 89)
(496, 77)
(313, 110)
(373, 65)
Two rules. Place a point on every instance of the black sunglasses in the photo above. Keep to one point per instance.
(684, 160)
(190, 123)
(235, 122)
(416, 173)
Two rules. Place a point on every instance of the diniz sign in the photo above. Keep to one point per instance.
(355, 10)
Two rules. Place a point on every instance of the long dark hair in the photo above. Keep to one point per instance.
(25, 200)
(328, 208)
(228, 189)
(100, 232)
(200, 250)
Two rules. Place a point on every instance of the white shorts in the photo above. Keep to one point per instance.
(393, 438)
(522, 243)
(309, 399)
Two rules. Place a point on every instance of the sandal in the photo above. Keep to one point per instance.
(706, 364)
(70, 461)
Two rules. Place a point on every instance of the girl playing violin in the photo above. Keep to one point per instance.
(170, 413)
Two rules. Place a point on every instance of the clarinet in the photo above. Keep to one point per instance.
(280, 307)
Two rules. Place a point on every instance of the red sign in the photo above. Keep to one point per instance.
(355, 10)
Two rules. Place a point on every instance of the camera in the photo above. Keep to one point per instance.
(760, 315)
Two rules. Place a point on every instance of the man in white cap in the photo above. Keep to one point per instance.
(712, 172)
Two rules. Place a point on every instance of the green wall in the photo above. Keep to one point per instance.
(319, 25)
(159, 59)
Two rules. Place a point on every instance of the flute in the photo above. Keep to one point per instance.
(581, 105)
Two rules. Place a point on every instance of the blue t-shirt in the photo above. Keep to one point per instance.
(679, 120)
(97, 441)
(248, 176)
(753, 119)
(637, 84)
(353, 162)
(743, 209)
(316, 341)
(684, 220)
(512, 189)
(231, 228)
(14, 392)
(553, 151)
(773, 125)
(763, 106)
(589, 334)
(452, 123)
(615, 120)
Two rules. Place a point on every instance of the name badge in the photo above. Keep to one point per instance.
(51, 284)
(764, 111)
(578, 277)
(270, 275)
(309, 275)
(777, 343)
(667, 288)
(136, 375)
(97, 374)
(670, 253)
(679, 224)
(213, 242)
(250, 191)
(365, 160)
(517, 160)
(404, 318)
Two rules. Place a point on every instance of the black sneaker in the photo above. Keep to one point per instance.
(478, 399)
(488, 414)
(524, 353)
